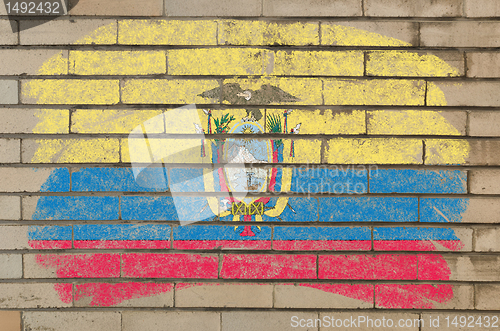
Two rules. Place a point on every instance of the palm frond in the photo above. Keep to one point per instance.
(274, 123)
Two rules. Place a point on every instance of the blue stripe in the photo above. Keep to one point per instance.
(76, 208)
(122, 232)
(297, 210)
(49, 232)
(321, 233)
(118, 180)
(58, 181)
(148, 208)
(187, 180)
(216, 232)
(364, 209)
(418, 181)
(185, 209)
(402, 233)
(442, 210)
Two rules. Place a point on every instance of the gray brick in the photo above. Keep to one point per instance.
(10, 208)
(61, 32)
(485, 181)
(7, 37)
(213, 7)
(487, 240)
(171, 321)
(484, 152)
(418, 8)
(294, 296)
(40, 295)
(9, 92)
(72, 321)
(477, 268)
(484, 123)
(472, 152)
(29, 204)
(482, 8)
(312, 8)
(15, 120)
(14, 237)
(485, 64)
(463, 298)
(225, 295)
(157, 299)
(460, 34)
(28, 62)
(26, 179)
(466, 93)
(488, 297)
(264, 321)
(11, 266)
(117, 7)
(10, 150)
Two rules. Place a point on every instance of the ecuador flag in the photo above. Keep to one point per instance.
(231, 154)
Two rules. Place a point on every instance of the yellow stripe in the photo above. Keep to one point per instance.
(167, 32)
(52, 121)
(324, 121)
(411, 122)
(319, 63)
(180, 150)
(74, 150)
(117, 62)
(165, 91)
(70, 91)
(234, 32)
(339, 35)
(374, 92)
(374, 151)
(446, 151)
(435, 96)
(402, 63)
(55, 65)
(113, 121)
(220, 61)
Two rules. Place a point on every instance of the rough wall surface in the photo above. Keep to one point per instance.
(369, 200)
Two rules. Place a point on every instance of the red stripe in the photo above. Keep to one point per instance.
(319, 245)
(415, 245)
(433, 267)
(211, 244)
(110, 244)
(82, 266)
(367, 267)
(422, 296)
(169, 266)
(269, 267)
(50, 244)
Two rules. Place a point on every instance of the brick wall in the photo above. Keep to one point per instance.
(378, 192)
